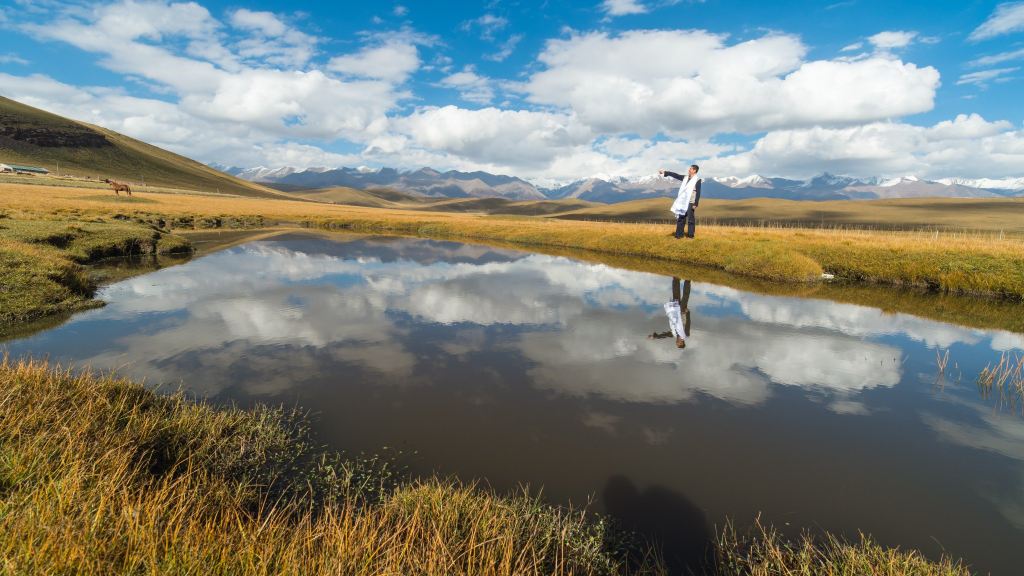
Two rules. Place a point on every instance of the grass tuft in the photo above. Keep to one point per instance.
(763, 552)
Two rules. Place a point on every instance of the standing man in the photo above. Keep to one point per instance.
(686, 200)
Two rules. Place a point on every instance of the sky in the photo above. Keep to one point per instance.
(550, 91)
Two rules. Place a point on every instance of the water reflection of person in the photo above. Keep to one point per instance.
(678, 312)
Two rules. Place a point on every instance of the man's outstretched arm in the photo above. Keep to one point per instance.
(673, 175)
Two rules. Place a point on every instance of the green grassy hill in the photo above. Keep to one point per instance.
(36, 137)
(349, 197)
(980, 214)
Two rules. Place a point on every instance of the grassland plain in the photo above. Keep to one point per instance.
(946, 262)
(99, 475)
(1005, 215)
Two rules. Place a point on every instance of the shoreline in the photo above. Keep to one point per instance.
(909, 266)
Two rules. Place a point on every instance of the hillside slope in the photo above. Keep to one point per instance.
(353, 197)
(36, 137)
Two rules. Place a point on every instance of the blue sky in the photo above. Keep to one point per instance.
(550, 91)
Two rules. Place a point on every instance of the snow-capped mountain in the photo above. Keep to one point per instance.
(752, 181)
(1013, 184)
(455, 184)
(890, 182)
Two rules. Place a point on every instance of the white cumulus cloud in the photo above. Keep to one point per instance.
(966, 144)
(891, 39)
(393, 62)
(471, 86)
(696, 83)
(623, 7)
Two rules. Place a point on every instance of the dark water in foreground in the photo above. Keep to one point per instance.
(522, 368)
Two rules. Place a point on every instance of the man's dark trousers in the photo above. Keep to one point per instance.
(689, 220)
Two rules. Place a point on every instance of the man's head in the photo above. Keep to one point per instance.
(694, 169)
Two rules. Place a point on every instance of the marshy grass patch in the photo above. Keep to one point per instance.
(41, 259)
(1003, 381)
(762, 551)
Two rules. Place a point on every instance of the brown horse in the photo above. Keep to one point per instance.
(119, 187)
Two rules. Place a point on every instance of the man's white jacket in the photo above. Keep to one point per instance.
(685, 195)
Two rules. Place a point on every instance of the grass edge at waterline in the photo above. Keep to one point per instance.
(973, 266)
(100, 475)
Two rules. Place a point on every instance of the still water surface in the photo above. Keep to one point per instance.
(523, 368)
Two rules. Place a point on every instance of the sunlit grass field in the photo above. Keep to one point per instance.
(991, 215)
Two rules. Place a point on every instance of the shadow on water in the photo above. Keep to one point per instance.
(666, 519)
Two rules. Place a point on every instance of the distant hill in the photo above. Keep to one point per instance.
(453, 184)
(423, 182)
(384, 198)
(36, 137)
(353, 197)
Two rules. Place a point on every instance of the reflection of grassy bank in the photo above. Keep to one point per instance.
(99, 476)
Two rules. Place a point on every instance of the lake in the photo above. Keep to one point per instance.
(517, 368)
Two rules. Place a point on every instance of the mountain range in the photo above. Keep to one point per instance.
(454, 184)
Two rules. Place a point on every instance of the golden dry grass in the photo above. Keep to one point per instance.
(763, 552)
(40, 261)
(993, 215)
